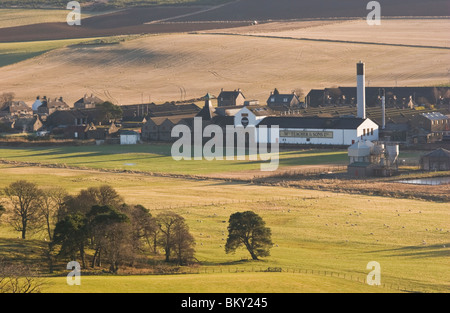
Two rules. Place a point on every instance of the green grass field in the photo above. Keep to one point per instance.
(19, 17)
(14, 52)
(312, 230)
(213, 283)
(157, 158)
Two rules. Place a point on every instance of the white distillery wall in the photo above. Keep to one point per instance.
(340, 136)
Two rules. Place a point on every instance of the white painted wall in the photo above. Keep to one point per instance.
(340, 136)
(129, 139)
(253, 119)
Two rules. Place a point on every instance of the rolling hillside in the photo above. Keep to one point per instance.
(185, 66)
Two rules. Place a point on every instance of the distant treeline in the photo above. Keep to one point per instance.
(110, 4)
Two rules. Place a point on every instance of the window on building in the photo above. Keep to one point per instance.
(364, 132)
(371, 132)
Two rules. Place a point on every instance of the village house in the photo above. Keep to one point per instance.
(86, 132)
(49, 106)
(63, 119)
(16, 108)
(28, 124)
(230, 98)
(283, 102)
(87, 102)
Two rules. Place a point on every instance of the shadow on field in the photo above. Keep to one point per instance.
(237, 262)
(439, 250)
(20, 250)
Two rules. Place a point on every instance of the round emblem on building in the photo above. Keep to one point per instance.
(245, 121)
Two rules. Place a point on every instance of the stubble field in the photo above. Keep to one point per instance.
(184, 66)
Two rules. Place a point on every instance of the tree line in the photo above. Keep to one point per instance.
(115, 233)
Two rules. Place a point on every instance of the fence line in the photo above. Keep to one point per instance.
(326, 273)
(239, 201)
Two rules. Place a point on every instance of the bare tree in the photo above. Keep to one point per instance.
(19, 278)
(6, 98)
(25, 198)
(175, 237)
(52, 200)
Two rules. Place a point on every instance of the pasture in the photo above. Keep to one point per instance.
(317, 231)
(156, 158)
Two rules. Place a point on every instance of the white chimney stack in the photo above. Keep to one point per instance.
(383, 111)
(361, 90)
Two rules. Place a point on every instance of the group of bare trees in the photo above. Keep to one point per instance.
(96, 220)
(18, 278)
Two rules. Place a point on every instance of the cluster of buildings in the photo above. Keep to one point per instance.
(334, 116)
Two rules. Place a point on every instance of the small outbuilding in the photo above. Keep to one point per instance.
(129, 137)
(438, 160)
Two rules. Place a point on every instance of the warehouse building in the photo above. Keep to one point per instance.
(320, 131)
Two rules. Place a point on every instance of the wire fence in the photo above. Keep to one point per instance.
(358, 277)
(238, 201)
